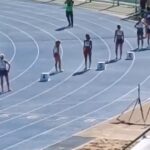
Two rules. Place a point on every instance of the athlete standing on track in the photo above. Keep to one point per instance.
(4, 70)
(56, 53)
(140, 32)
(69, 12)
(87, 50)
(119, 40)
(147, 22)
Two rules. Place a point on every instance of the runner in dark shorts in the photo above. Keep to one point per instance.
(119, 40)
(56, 53)
(140, 32)
(87, 50)
(4, 70)
(148, 34)
(69, 12)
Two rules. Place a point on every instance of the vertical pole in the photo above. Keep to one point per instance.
(136, 7)
(139, 100)
(113, 2)
(139, 94)
(117, 2)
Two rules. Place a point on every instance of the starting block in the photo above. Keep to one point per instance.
(100, 66)
(44, 77)
(130, 56)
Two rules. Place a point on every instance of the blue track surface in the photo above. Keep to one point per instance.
(36, 116)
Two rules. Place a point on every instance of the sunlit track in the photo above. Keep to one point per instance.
(37, 79)
(65, 95)
(57, 100)
(13, 45)
(53, 37)
(73, 111)
(36, 44)
(50, 130)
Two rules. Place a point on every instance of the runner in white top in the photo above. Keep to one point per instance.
(119, 40)
(4, 70)
(140, 32)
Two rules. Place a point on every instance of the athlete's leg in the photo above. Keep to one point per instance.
(142, 41)
(121, 45)
(71, 16)
(138, 41)
(7, 81)
(68, 18)
(56, 65)
(59, 63)
(116, 50)
(85, 59)
(148, 38)
(2, 87)
(90, 59)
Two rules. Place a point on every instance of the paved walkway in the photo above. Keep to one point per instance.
(122, 10)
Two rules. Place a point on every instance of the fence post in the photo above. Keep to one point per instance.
(118, 3)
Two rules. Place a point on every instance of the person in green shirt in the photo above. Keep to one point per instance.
(69, 12)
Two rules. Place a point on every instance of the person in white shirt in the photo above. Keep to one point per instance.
(4, 70)
(87, 50)
(119, 40)
(56, 53)
(140, 32)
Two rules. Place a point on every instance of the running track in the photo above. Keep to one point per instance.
(37, 116)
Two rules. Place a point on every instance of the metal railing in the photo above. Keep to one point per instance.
(135, 140)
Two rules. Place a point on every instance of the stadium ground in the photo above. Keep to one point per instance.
(39, 115)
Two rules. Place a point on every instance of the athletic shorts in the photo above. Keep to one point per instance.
(3, 72)
(69, 13)
(140, 32)
(87, 51)
(148, 30)
(57, 56)
(119, 41)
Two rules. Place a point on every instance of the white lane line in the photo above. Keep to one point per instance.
(116, 100)
(39, 94)
(70, 92)
(15, 105)
(109, 119)
(49, 71)
(91, 80)
(67, 122)
(13, 45)
(58, 98)
(47, 131)
(35, 42)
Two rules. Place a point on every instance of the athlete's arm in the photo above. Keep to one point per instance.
(84, 44)
(115, 35)
(91, 45)
(123, 35)
(8, 64)
(136, 25)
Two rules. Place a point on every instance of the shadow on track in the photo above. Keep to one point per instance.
(111, 61)
(140, 50)
(62, 28)
(80, 72)
(54, 73)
